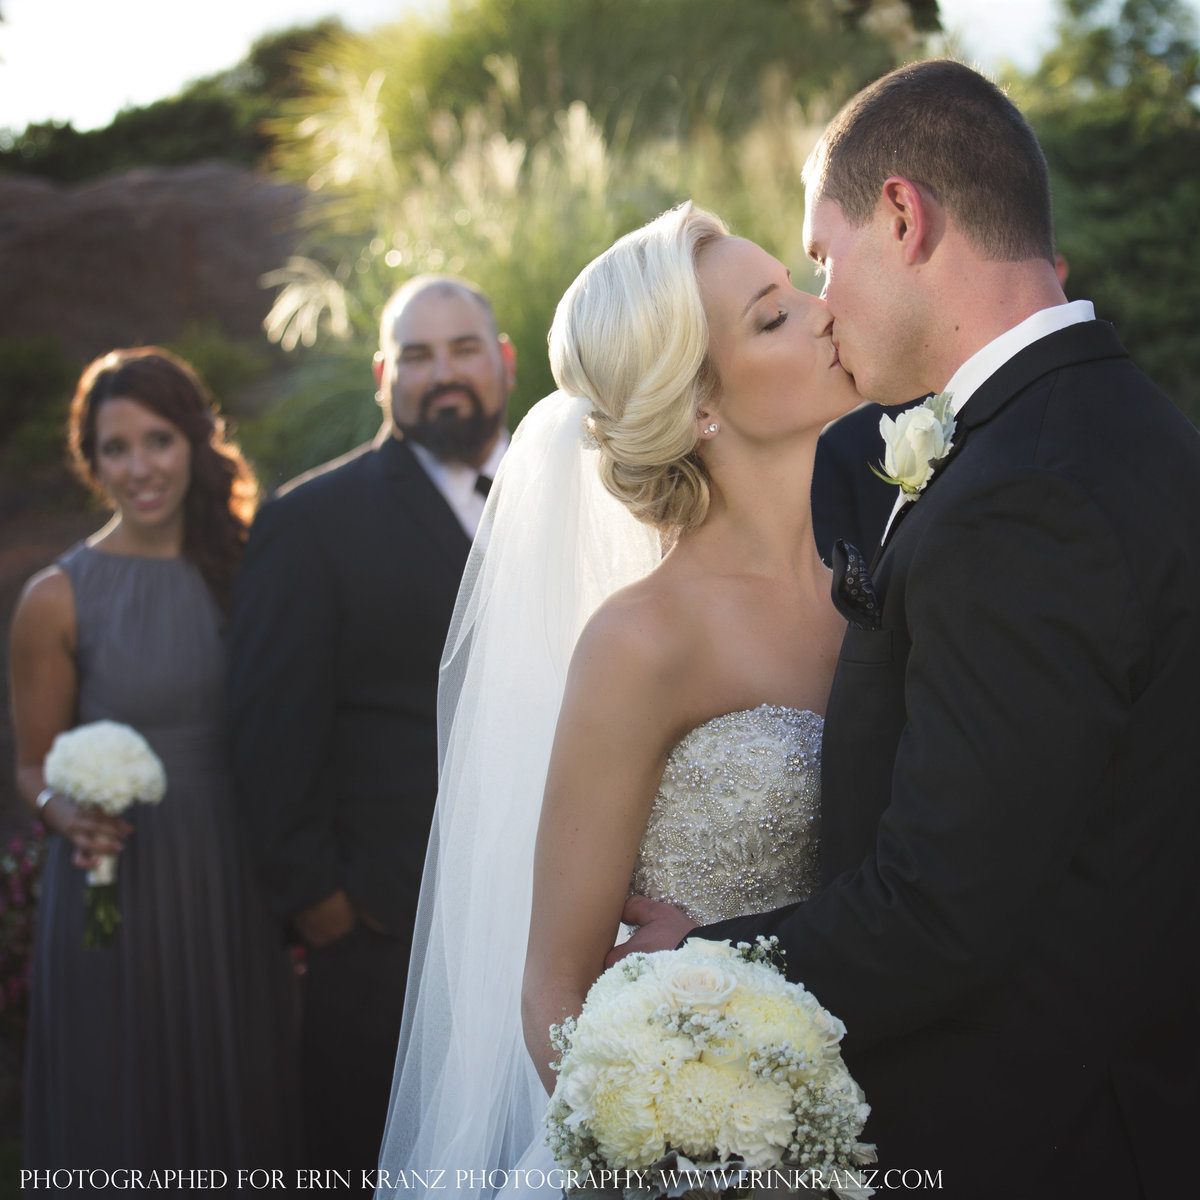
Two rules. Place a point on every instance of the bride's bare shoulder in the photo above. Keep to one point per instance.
(644, 631)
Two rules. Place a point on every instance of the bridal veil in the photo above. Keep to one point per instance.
(552, 545)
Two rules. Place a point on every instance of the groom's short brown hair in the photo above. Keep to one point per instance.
(952, 132)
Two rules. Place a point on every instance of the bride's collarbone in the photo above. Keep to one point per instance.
(725, 683)
(788, 662)
(728, 644)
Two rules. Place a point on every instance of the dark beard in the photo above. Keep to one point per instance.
(450, 436)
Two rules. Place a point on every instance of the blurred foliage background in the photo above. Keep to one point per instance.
(512, 140)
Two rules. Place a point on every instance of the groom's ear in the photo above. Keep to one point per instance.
(906, 211)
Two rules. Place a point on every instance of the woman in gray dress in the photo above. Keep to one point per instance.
(171, 1050)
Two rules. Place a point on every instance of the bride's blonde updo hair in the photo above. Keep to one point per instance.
(631, 337)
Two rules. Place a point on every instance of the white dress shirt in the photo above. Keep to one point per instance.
(456, 481)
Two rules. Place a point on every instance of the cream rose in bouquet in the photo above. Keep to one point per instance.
(704, 1069)
(111, 766)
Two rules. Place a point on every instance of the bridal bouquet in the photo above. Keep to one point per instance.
(704, 1069)
(111, 766)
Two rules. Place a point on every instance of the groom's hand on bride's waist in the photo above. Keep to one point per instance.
(659, 927)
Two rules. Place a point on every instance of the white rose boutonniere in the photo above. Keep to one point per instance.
(914, 443)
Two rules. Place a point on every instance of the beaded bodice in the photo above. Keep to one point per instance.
(734, 825)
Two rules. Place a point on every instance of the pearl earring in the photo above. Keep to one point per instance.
(711, 428)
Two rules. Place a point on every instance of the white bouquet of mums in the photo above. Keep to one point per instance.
(111, 766)
(704, 1069)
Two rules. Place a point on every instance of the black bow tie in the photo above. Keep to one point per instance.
(483, 485)
(853, 590)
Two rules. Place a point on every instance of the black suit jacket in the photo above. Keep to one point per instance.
(340, 614)
(1010, 817)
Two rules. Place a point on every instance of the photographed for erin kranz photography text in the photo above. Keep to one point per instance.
(457, 1179)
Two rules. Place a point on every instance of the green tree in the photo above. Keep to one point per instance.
(1112, 105)
(1139, 49)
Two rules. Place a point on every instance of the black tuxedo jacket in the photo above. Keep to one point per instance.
(1010, 816)
(341, 609)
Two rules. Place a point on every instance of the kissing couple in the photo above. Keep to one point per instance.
(958, 784)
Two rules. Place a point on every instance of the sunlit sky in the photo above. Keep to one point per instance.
(83, 60)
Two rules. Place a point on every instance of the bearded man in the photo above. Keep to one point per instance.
(340, 614)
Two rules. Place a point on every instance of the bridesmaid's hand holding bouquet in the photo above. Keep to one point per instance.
(107, 766)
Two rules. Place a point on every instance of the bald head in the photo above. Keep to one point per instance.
(444, 285)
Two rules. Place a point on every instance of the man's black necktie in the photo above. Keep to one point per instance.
(483, 485)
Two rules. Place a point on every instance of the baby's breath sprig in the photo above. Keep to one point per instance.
(765, 950)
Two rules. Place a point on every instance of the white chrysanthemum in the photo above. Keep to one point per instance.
(758, 1123)
(776, 1020)
(644, 1049)
(575, 1085)
(107, 764)
(693, 1107)
(643, 996)
(623, 1118)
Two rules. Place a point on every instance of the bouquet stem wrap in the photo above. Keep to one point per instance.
(102, 911)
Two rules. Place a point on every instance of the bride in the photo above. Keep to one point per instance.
(642, 717)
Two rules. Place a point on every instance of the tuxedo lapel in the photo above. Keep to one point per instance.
(1087, 341)
(418, 496)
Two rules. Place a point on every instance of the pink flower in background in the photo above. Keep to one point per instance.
(20, 869)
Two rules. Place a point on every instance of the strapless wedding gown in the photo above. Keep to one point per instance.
(734, 827)
(734, 830)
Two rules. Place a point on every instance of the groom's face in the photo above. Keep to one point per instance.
(872, 322)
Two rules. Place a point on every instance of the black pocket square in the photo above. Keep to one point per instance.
(853, 591)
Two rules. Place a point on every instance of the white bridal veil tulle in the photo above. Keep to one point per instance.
(552, 545)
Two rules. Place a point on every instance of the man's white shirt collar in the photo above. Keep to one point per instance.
(984, 363)
(456, 480)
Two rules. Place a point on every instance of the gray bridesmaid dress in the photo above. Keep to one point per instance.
(174, 1049)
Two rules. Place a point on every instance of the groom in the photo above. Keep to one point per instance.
(1009, 921)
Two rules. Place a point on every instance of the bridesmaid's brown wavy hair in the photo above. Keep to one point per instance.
(223, 491)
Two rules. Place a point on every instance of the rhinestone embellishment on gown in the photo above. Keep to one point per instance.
(734, 826)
